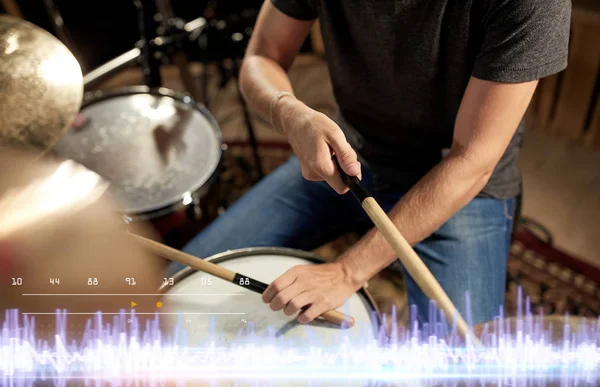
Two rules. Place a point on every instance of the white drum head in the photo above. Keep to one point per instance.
(155, 148)
(215, 311)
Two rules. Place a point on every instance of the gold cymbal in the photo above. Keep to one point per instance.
(64, 246)
(41, 87)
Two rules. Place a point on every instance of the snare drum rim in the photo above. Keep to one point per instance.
(93, 97)
(254, 251)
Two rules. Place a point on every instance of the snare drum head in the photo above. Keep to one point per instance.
(155, 148)
(211, 310)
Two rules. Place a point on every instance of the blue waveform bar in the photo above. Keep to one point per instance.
(128, 350)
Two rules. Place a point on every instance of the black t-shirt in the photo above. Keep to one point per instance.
(399, 70)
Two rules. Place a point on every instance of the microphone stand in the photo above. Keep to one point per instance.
(148, 28)
(175, 34)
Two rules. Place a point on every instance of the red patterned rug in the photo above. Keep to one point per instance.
(557, 283)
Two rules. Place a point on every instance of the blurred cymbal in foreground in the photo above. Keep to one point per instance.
(41, 87)
(65, 246)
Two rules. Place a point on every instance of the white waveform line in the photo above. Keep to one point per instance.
(125, 359)
(137, 314)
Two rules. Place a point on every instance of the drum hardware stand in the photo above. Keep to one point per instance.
(148, 27)
(175, 30)
(171, 26)
(112, 67)
(189, 31)
(172, 34)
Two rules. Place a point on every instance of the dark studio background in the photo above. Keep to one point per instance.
(102, 30)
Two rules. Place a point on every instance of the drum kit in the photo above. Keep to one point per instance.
(72, 168)
(83, 176)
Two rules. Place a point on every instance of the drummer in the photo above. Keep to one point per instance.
(431, 96)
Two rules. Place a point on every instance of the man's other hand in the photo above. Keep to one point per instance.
(311, 290)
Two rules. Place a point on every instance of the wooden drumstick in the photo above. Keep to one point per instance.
(172, 254)
(407, 255)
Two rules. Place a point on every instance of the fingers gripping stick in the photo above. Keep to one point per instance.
(171, 254)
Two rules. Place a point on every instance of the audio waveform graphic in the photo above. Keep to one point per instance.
(127, 352)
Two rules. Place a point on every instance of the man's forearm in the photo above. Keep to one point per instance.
(261, 79)
(275, 42)
(487, 119)
(447, 188)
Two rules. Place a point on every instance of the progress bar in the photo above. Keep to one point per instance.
(137, 314)
(133, 294)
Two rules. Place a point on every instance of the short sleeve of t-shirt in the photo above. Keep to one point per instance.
(297, 9)
(523, 40)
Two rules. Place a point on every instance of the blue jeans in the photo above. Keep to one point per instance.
(467, 254)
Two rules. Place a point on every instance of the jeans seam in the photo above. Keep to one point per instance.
(509, 219)
(507, 211)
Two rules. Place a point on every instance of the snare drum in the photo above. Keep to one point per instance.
(159, 149)
(215, 311)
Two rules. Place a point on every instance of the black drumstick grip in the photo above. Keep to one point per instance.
(249, 283)
(353, 182)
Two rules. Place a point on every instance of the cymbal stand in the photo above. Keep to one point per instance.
(172, 26)
(154, 48)
(148, 28)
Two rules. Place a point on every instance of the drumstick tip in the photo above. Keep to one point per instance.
(339, 318)
(348, 322)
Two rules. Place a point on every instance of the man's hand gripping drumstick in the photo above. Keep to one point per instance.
(171, 254)
(409, 258)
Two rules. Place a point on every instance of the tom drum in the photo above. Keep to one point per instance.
(159, 149)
